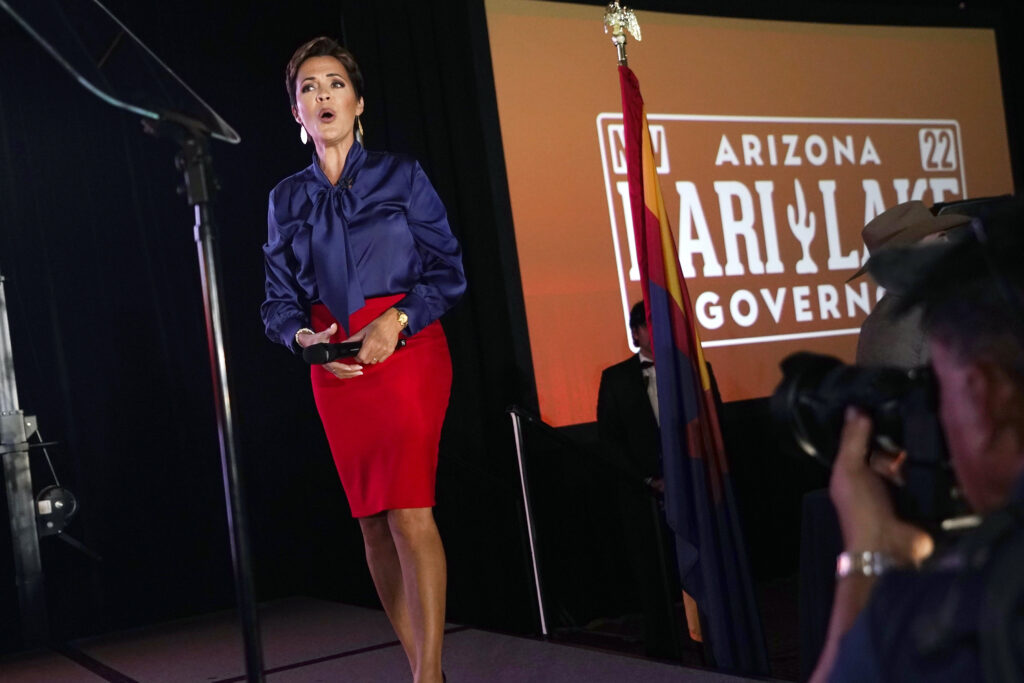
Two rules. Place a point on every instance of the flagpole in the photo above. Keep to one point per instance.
(719, 600)
(619, 19)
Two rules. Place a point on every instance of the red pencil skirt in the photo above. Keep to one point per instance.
(384, 426)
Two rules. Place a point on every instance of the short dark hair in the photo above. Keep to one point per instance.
(322, 47)
(637, 316)
(977, 323)
(975, 301)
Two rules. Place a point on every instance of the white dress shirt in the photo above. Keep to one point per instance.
(651, 380)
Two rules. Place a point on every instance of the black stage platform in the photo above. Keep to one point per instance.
(311, 640)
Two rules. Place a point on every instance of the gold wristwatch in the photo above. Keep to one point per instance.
(403, 318)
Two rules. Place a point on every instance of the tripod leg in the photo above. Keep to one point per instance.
(81, 547)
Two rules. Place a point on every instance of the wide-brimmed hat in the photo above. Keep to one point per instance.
(905, 224)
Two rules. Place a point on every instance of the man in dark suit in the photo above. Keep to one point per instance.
(627, 403)
(627, 421)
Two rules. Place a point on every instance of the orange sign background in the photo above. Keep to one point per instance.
(776, 93)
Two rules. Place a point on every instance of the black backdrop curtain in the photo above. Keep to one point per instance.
(108, 334)
(109, 340)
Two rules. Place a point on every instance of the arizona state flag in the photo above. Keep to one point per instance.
(699, 502)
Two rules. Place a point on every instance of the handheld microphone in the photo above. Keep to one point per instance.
(318, 354)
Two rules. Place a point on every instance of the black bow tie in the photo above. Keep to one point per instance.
(644, 364)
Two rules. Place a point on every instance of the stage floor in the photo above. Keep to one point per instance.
(312, 640)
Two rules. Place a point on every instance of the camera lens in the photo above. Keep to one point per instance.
(810, 402)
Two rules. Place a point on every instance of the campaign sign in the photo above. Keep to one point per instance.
(767, 213)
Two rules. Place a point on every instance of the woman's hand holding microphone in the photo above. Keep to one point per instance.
(379, 340)
(306, 337)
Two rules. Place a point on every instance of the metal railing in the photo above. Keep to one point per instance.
(620, 476)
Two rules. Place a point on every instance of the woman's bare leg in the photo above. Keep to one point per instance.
(424, 572)
(386, 570)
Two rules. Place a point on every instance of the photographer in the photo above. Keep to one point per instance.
(900, 614)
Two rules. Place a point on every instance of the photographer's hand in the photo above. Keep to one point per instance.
(863, 504)
(869, 523)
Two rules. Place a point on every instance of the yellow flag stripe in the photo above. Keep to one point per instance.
(656, 205)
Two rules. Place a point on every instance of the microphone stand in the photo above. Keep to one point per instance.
(195, 162)
(50, 25)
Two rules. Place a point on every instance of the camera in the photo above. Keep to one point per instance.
(815, 390)
(809, 405)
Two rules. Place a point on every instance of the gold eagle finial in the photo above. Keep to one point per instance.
(621, 19)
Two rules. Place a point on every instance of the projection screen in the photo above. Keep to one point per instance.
(776, 143)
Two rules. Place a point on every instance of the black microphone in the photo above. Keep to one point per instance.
(318, 354)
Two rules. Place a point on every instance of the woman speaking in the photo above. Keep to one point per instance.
(359, 249)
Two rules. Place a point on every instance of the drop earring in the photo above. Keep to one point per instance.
(303, 135)
(359, 130)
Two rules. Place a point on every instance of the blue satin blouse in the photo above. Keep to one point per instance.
(380, 230)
